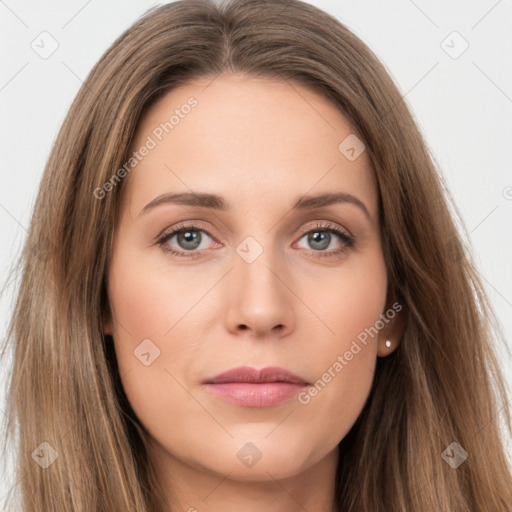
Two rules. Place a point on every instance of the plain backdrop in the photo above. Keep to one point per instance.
(452, 61)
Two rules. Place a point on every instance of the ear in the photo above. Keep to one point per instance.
(107, 328)
(107, 322)
(392, 331)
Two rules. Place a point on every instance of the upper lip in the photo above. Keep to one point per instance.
(249, 374)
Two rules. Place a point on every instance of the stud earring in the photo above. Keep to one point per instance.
(388, 343)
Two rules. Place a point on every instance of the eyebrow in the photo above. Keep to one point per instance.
(206, 200)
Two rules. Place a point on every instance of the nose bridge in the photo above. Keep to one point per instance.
(254, 269)
(259, 299)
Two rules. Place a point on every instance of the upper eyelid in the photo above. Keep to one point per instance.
(326, 225)
(198, 226)
(181, 226)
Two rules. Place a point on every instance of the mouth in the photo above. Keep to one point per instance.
(250, 387)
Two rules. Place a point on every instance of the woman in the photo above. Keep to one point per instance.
(242, 285)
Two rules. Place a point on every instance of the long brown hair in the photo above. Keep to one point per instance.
(442, 385)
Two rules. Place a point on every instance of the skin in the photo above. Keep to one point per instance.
(261, 144)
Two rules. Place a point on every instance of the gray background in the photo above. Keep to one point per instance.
(463, 104)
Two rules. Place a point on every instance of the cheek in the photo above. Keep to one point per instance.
(145, 303)
(345, 356)
(349, 301)
(150, 319)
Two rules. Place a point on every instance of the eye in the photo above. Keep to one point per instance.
(190, 238)
(321, 237)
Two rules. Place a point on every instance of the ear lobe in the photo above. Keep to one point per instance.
(391, 334)
(107, 324)
(106, 319)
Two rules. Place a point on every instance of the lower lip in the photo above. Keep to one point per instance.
(256, 395)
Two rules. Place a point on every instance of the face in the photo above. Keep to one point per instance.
(251, 278)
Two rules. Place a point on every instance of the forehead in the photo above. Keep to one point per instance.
(252, 138)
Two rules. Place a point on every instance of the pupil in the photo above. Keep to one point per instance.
(323, 237)
(190, 237)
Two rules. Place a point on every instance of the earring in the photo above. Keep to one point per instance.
(388, 343)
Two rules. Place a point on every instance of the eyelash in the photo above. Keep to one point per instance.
(347, 239)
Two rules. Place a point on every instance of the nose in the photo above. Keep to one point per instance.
(260, 299)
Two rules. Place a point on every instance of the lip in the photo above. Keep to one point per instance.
(252, 375)
(250, 387)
